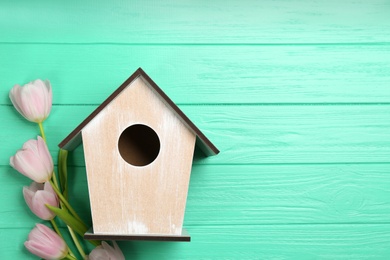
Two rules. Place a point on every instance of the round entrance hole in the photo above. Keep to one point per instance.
(139, 145)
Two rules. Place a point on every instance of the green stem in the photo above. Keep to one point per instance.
(53, 223)
(56, 187)
(76, 242)
(55, 181)
(95, 242)
(66, 203)
(62, 156)
(63, 171)
(42, 131)
(70, 257)
(54, 176)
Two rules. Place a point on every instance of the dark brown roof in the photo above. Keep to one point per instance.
(74, 138)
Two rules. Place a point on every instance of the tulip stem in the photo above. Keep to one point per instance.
(70, 257)
(54, 176)
(55, 181)
(44, 139)
(42, 131)
(76, 242)
(66, 203)
(53, 223)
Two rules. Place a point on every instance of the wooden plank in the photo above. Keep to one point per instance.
(248, 242)
(263, 134)
(288, 194)
(247, 195)
(220, 21)
(295, 134)
(205, 74)
(276, 242)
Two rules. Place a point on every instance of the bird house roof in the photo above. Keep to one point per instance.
(74, 138)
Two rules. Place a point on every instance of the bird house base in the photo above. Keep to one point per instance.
(184, 237)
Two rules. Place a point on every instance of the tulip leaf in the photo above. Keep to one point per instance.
(69, 220)
(63, 171)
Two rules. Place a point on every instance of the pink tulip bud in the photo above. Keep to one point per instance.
(34, 161)
(105, 251)
(33, 100)
(45, 243)
(37, 196)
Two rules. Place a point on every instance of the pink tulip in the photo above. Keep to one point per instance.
(106, 252)
(33, 100)
(37, 196)
(45, 243)
(34, 160)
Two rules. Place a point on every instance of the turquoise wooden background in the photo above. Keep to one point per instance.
(296, 94)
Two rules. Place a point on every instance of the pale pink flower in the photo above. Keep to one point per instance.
(107, 252)
(34, 160)
(37, 196)
(33, 100)
(45, 243)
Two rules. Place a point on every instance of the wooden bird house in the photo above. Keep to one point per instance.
(138, 148)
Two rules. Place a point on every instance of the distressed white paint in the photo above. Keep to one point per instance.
(126, 199)
(137, 227)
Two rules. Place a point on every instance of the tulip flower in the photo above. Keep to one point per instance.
(37, 196)
(33, 100)
(34, 160)
(106, 252)
(45, 243)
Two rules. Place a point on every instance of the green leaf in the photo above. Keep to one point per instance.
(69, 220)
(63, 171)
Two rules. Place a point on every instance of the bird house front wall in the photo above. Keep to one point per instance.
(127, 198)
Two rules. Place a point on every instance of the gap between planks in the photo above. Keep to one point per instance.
(247, 104)
(240, 44)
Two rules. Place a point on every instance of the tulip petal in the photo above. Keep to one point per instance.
(31, 144)
(44, 154)
(36, 96)
(37, 196)
(118, 252)
(39, 202)
(33, 101)
(49, 98)
(34, 160)
(12, 161)
(99, 254)
(27, 163)
(14, 95)
(36, 248)
(105, 251)
(28, 196)
(45, 243)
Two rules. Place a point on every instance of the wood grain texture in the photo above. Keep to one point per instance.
(215, 74)
(137, 200)
(252, 134)
(248, 195)
(73, 139)
(294, 93)
(350, 21)
(367, 241)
